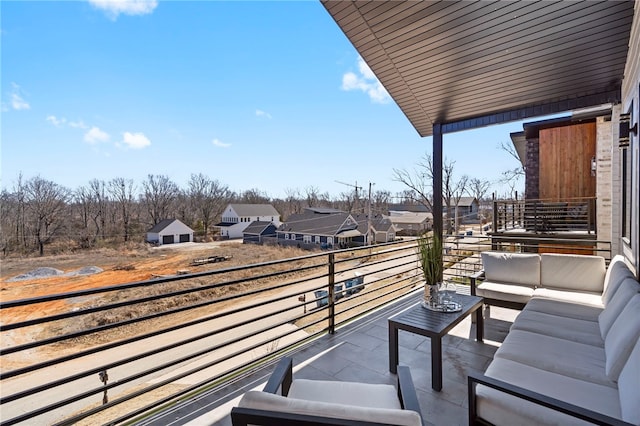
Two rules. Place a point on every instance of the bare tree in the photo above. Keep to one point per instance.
(159, 192)
(420, 183)
(478, 188)
(511, 177)
(122, 190)
(46, 202)
(86, 203)
(255, 196)
(208, 198)
(293, 202)
(311, 194)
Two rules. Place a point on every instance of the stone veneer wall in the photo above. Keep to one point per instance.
(532, 170)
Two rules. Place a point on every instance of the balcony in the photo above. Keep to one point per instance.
(187, 346)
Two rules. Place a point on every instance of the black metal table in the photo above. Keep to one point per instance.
(433, 325)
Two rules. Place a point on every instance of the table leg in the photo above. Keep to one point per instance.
(436, 363)
(479, 324)
(393, 348)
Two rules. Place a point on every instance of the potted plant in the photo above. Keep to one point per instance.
(430, 263)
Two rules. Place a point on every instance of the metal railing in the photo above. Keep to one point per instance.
(114, 354)
(546, 216)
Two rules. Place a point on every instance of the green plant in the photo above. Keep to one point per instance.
(430, 258)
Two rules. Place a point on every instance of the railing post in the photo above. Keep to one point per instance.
(495, 216)
(331, 297)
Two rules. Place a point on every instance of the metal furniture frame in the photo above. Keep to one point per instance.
(434, 325)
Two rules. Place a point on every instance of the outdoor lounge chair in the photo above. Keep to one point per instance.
(285, 401)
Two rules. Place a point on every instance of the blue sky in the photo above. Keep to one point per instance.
(266, 95)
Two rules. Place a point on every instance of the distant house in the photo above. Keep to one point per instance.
(169, 231)
(319, 227)
(411, 223)
(256, 231)
(382, 229)
(468, 208)
(237, 217)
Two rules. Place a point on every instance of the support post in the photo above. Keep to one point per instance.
(437, 181)
(331, 297)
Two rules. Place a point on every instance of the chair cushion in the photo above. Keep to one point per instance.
(573, 296)
(512, 268)
(624, 293)
(501, 409)
(616, 273)
(572, 271)
(349, 393)
(509, 292)
(622, 337)
(564, 309)
(577, 330)
(628, 387)
(270, 402)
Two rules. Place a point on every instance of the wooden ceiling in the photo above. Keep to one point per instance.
(466, 64)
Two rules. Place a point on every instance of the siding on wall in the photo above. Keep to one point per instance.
(565, 161)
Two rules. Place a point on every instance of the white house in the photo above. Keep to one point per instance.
(170, 231)
(237, 217)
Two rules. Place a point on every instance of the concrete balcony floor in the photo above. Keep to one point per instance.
(359, 352)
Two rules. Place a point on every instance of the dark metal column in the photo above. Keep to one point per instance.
(437, 180)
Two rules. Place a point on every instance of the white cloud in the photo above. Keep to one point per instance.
(58, 122)
(366, 82)
(78, 125)
(17, 102)
(113, 8)
(261, 113)
(95, 135)
(134, 140)
(220, 144)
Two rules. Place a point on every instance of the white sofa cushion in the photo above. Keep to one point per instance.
(564, 308)
(512, 268)
(624, 293)
(500, 291)
(628, 384)
(574, 296)
(350, 393)
(577, 330)
(501, 409)
(572, 359)
(270, 402)
(616, 273)
(621, 338)
(572, 271)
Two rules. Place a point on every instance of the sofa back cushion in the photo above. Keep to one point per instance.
(628, 383)
(626, 290)
(621, 338)
(572, 272)
(616, 273)
(512, 268)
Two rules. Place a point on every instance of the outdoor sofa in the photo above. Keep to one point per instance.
(572, 356)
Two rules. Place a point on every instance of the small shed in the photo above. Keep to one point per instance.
(169, 231)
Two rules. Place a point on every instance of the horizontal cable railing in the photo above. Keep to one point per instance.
(111, 354)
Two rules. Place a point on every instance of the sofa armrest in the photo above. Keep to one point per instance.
(281, 378)
(478, 276)
(536, 398)
(407, 391)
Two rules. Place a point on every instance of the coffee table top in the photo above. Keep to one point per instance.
(431, 323)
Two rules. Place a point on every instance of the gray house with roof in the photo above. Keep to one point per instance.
(257, 231)
(237, 217)
(319, 227)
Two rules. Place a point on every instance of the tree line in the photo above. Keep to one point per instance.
(37, 212)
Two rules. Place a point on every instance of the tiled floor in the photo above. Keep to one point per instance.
(359, 352)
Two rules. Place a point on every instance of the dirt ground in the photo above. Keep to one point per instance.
(121, 266)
